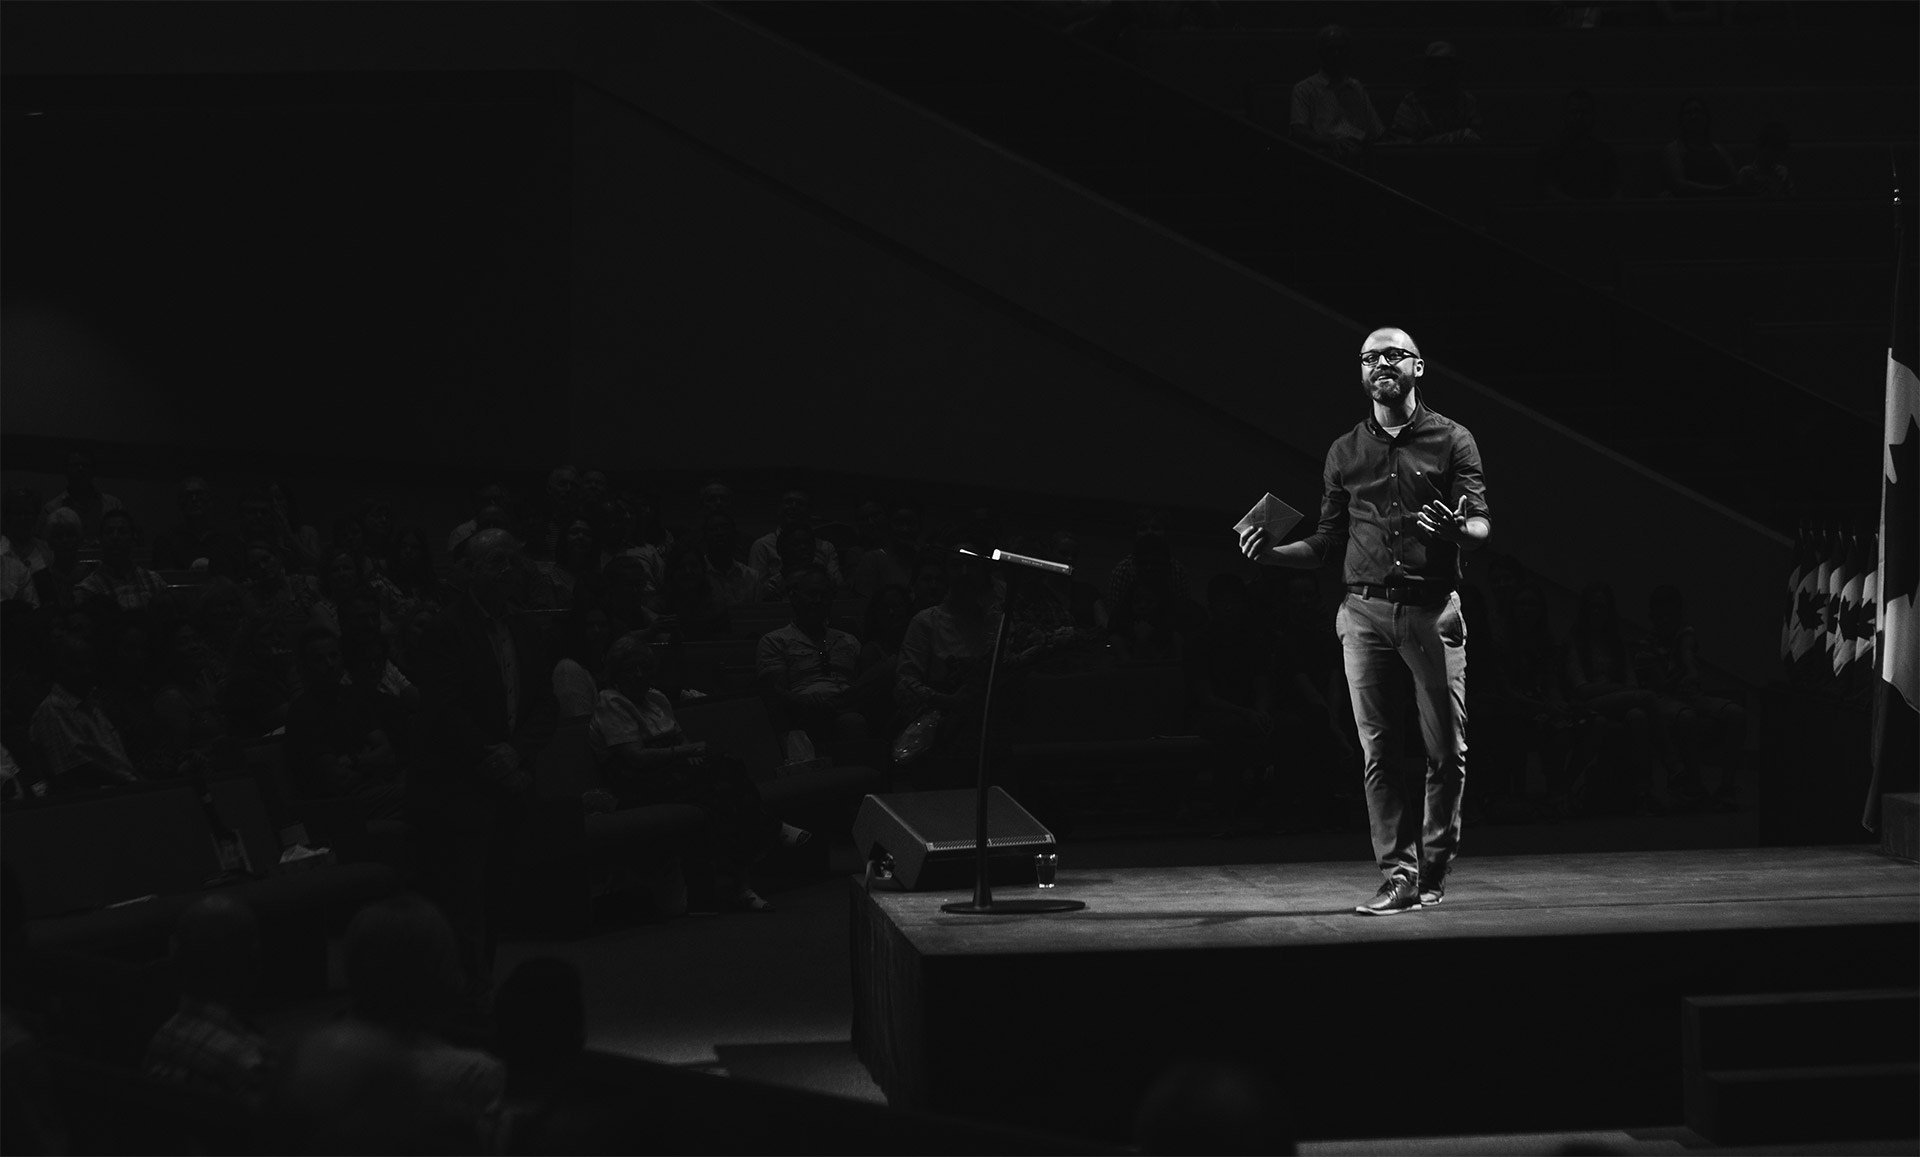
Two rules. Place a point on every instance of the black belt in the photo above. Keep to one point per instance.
(1422, 595)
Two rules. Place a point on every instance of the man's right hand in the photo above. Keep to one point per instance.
(1253, 542)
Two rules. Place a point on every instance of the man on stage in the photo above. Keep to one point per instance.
(1404, 494)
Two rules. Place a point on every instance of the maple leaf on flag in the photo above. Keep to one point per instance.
(1811, 605)
(1902, 547)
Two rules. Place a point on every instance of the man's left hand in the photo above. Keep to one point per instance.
(1437, 520)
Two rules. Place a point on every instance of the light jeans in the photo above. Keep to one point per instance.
(1432, 642)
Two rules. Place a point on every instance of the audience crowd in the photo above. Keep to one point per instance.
(414, 688)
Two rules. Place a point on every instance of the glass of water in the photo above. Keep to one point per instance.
(1045, 865)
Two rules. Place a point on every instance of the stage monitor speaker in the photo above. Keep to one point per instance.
(928, 837)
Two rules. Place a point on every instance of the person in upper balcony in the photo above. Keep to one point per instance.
(1332, 113)
(1440, 111)
(197, 537)
(118, 577)
(796, 511)
(1694, 164)
(82, 497)
(1767, 176)
(1576, 165)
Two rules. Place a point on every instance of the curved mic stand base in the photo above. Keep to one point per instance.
(1011, 907)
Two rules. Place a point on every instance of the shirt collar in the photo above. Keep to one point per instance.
(1419, 416)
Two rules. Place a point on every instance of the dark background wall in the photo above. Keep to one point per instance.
(330, 266)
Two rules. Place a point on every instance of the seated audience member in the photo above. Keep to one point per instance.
(79, 746)
(349, 535)
(342, 576)
(807, 669)
(1601, 677)
(82, 497)
(595, 488)
(56, 585)
(1232, 694)
(1505, 577)
(1331, 111)
(219, 607)
(336, 746)
(208, 1043)
(352, 1087)
(929, 581)
(261, 677)
(734, 582)
(119, 578)
(372, 671)
(1768, 175)
(716, 498)
(630, 600)
(26, 676)
(619, 538)
(19, 529)
(943, 664)
(1529, 706)
(763, 558)
(21, 554)
(1693, 163)
(692, 606)
(487, 710)
(874, 561)
(493, 494)
(563, 505)
(1056, 625)
(130, 679)
(1440, 111)
(1151, 624)
(376, 536)
(1311, 671)
(649, 528)
(413, 576)
(581, 644)
(884, 628)
(1576, 165)
(647, 760)
(404, 972)
(1148, 523)
(196, 541)
(1668, 665)
(576, 562)
(297, 539)
(188, 706)
(273, 588)
(799, 550)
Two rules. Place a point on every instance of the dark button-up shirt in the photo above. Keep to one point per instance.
(1375, 485)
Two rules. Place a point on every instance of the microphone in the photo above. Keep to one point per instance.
(1025, 560)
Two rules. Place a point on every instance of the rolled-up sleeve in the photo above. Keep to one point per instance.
(1331, 534)
(1469, 488)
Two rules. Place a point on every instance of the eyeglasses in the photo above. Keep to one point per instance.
(1392, 357)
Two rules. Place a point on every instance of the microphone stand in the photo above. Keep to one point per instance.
(983, 903)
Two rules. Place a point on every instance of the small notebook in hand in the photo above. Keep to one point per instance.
(1276, 516)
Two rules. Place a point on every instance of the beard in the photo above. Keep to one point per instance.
(1390, 389)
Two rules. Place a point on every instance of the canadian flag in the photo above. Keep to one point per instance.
(1896, 700)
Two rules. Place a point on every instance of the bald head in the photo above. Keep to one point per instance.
(1387, 337)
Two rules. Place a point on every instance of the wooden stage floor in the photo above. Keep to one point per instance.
(1544, 993)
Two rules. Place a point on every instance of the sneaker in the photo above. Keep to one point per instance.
(1399, 894)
